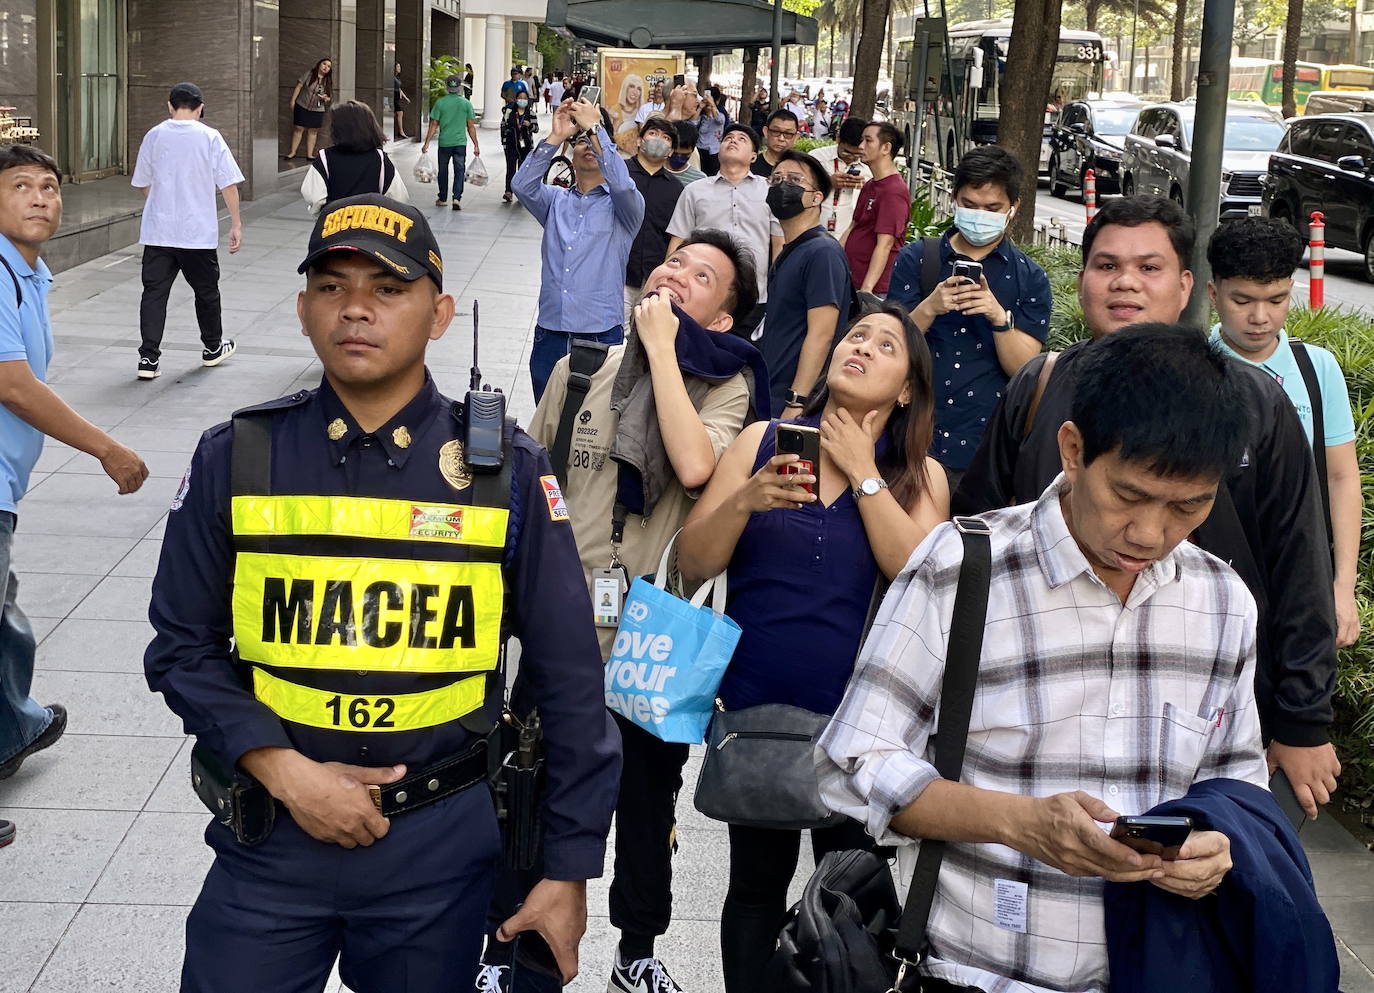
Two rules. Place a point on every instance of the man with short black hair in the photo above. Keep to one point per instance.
(808, 285)
(661, 193)
(512, 87)
(980, 334)
(1252, 261)
(680, 162)
(181, 163)
(453, 120)
(878, 230)
(844, 162)
(1267, 522)
(780, 133)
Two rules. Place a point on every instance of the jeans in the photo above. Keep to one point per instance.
(458, 155)
(200, 266)
(22, 719)
(550, 346)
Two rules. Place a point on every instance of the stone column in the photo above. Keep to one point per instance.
(495, 71)
(312, 30)
(412, 51)
(375, 66)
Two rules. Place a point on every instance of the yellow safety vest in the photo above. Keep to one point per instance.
(400, 587)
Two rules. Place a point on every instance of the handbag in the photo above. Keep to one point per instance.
(848, 933)
(669, 655)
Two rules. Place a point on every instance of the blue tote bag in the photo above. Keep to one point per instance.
(670, 655)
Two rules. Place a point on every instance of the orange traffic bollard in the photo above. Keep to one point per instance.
(1090, 193)
(1317, 262)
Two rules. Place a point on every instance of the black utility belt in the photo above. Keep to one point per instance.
(242, 804)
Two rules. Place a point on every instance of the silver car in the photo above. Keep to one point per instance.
(1158, 153)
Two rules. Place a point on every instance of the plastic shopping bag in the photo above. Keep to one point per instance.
(669, 657)
(477, 172)
(426, 168)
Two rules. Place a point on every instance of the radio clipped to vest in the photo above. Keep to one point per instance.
(486, 410)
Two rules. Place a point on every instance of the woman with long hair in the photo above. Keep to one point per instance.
(805, 554)
(309, 100)
(355, 163)
(624, 130)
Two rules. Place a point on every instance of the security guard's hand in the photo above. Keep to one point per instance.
(557, 909)
(124, 466)
(329, 800)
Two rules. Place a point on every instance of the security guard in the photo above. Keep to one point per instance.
(367, 576)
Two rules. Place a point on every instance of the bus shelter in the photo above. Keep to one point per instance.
(698, 27)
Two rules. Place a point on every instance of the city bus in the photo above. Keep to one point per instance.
(1347, 77)
(977, 63)
(1262, 80)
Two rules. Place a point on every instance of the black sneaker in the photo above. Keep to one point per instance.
(6, 833)
(49, 737)
(493, 979)
(641, 976)
(147, 369)
(211, 357)
(457, 205)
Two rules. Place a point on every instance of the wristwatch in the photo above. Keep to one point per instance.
(869, 487)
(1007, 323)
(794, 399)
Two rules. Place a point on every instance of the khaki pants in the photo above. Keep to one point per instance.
(632, 297)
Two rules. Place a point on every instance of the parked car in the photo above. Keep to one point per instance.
(1090, 134)
(1340, 102)
(1326, 163)
(1158, 152)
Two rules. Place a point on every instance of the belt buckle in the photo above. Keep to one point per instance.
(374, 793)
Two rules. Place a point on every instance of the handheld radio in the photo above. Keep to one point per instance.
(486, 410)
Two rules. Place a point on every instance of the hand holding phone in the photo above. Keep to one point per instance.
(799, 439)
(969, 271)
(591, 94)
(1162, 836)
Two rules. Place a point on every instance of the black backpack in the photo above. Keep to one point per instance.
(18, 291)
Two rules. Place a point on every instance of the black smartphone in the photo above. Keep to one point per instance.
(972, 271)
(679, 79)
(799, 439)
(1162, 836)
(1287, 799)
(533, 952)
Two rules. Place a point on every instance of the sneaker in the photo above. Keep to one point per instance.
(214, 356)
(641, 976)
(6, 833)
(441, 202)
(493, 979)
(49, 737)
(147, 369)
(457, 205)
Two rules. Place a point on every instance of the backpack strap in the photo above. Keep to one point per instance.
(1314, 397)
(18, 289)
(1041, 381)
(585, 359)
(324, 163)
(381, 171)
(962, 658)
(930, 265)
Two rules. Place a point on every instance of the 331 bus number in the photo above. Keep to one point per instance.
(1089, 53)
(360, 712)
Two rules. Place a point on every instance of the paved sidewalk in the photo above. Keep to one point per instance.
(94, 894)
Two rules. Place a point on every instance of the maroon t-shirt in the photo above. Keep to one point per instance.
(883, 207)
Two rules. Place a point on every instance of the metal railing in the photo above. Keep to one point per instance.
(936, 184)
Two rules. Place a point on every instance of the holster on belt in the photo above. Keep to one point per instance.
(519, 788)
(235, 799)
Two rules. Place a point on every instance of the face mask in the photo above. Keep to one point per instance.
(980, 227)
(522, 103)
(785, 200)
(679, 161)
(655, 148)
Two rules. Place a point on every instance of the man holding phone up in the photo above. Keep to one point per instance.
(984, 321)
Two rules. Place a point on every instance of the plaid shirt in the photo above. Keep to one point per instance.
(1132, 704)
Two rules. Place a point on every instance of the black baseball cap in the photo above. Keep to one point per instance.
(186, 91)
(737, 126)
(395, 234)
(454, 82)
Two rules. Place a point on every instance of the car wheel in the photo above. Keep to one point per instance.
(1057, 187)
(1369, 254)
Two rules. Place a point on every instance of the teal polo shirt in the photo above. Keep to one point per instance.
(25, 336)
(1337, 420)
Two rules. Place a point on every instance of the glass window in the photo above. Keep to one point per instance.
(1148, 124)
(1354, 141)
(1328, 141)
(1115, 120)
(1299, 140)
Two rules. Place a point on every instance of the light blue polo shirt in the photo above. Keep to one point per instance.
(25, 335)
(1337, 420)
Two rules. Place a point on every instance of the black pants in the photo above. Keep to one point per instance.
(710, 161)
(762, 864)
(515, 158)
(645, 828)
(200, 266)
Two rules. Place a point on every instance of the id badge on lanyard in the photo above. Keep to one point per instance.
(609, 587)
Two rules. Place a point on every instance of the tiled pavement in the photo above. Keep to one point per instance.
(94, 894)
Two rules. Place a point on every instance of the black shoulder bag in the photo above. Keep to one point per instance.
(1314, 397)
(848, 933)
(18, 291)
(585, 359)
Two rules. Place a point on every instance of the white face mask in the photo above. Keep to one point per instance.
(981, 227)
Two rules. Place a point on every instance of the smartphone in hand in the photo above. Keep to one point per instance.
(799, 439)
(592, 94)
(1162, 836)
(971, 271)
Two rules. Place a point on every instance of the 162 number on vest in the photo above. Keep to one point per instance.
(361, 712)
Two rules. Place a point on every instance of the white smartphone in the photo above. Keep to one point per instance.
(592, 94)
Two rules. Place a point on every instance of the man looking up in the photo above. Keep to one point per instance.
(979, 333)
(844, 162)
(1252, 261)
(808, 285)
(588, 230)
(1267, 522)
(657, 416)
(880, 218)
(735, 201)
(779, 135)
(661, 192)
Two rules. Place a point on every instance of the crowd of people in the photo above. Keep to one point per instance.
(1171, 574)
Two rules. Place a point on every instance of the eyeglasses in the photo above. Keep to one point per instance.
(780, 134)
(775, 178)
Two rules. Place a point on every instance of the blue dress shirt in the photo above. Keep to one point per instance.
(25, 336)
(587, 239)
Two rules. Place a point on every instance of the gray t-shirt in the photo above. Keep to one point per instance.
(312, 97)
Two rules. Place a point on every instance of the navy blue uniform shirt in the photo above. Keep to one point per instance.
(967, 376)
(547, 606)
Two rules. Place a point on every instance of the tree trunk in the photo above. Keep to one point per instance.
(748, 83)
(1180, 50)
(869, 57)
(1091, 8)
(1354, 35)
(854, 48)
(1020, 126)
(891, 31)
(1292, 38)
(832, 50)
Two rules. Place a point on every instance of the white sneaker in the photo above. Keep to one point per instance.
(493, 979)
(641, 976)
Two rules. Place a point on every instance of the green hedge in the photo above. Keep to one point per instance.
(1349, 336)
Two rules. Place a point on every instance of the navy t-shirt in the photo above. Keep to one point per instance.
(967, 376)
(814, 273)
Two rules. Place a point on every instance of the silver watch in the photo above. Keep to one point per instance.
(869, 487)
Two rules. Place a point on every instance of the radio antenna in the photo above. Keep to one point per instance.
(476, 382)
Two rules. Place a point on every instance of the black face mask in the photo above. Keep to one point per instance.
(785, 200)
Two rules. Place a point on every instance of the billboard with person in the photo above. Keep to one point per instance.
(628, 77)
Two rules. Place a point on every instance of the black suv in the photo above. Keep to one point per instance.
(1089, 134)
(1326, 163)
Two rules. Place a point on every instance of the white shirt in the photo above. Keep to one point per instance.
(648, 110)
(183, 163)
(556, 92)
(828, 156)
